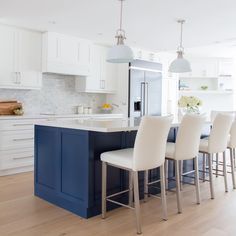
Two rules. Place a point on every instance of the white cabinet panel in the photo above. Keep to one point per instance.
(103, 77)
(202, 67)
(63, 54)
(7, 57)
(12, 159)
(20, 58)
(11, 140)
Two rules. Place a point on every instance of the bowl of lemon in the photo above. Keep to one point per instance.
(106, 108)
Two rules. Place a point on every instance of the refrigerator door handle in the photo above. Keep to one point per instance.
(146, 98)
(142, 108)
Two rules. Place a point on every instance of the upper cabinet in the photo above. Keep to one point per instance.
(202, 67)
(103, 76)
(20, 58)
(63, 54)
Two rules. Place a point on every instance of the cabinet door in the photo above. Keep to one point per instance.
(8, 76)
(111, 77)
(108, 72)
(68, 50)
(84, 56)
(93, 82)
(51, 47)
(29, 60)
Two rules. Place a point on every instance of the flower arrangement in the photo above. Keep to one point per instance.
(190, 104)
(106, 108)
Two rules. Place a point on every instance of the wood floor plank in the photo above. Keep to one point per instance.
(23, 214)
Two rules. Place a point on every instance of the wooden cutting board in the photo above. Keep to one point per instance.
(7, 107)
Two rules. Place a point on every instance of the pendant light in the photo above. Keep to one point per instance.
(120, 53)
(180, 65)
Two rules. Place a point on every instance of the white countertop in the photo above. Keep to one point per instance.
(51, 116)
(99, 124)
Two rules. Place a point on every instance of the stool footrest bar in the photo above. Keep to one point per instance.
(121, 204)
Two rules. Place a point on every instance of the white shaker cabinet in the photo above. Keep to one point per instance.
(63, 54)
(20, 58)
(8, 76)
(103, 77)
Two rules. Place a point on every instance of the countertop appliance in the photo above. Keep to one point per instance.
(145, 88)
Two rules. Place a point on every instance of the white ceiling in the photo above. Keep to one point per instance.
(149, 24)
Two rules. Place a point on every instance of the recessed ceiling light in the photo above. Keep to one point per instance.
(100, 34)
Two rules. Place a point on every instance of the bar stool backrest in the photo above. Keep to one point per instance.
(188, 137)
(150, 142)
(232, 139)
(219, 134)
(215, 113)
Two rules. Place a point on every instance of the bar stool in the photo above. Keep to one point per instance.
(232, 146)
(215, 144)
(148, 153)
(216, 160)
(186, 148)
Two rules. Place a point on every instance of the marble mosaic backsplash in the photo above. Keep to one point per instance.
(57, 96)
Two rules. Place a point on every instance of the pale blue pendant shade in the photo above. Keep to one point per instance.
(180, 65)
(120, 54)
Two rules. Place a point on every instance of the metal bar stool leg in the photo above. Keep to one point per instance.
(166, 174)
(217, 164)
(204, 167)
(145, 185)
(232, 167)
(130, 189)
(181, 174)
(136, 202)
(196, 173)
(104, 189)
(225, 172)
(211, 176)
(177, 177)
(234, 158)
(163, 193)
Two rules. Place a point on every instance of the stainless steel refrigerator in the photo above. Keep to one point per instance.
(145, 88)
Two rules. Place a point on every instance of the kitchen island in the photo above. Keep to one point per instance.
(68, 166)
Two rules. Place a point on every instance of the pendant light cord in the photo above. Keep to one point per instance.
(181, 34)
(121, 13)
(181, 48)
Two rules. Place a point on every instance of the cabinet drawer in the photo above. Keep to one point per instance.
(11, 140)
(18, 124)
(14, 159)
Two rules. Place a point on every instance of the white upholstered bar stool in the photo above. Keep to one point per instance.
(148, 153)
(216, 157)
(217, 143)
(232, 146)
(186, 148)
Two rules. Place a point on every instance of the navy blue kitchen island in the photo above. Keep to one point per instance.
(68, 166)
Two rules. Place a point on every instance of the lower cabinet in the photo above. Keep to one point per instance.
(16, 146)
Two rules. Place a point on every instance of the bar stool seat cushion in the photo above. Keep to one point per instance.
(170, 150)
(203, 147)
(120, 158)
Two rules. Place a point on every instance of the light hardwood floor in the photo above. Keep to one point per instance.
(23, 214)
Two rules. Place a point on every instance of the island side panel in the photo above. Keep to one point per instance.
(61, 168)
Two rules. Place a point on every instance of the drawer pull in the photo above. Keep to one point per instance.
(22, 124)
(18, 158)
(22, 139)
